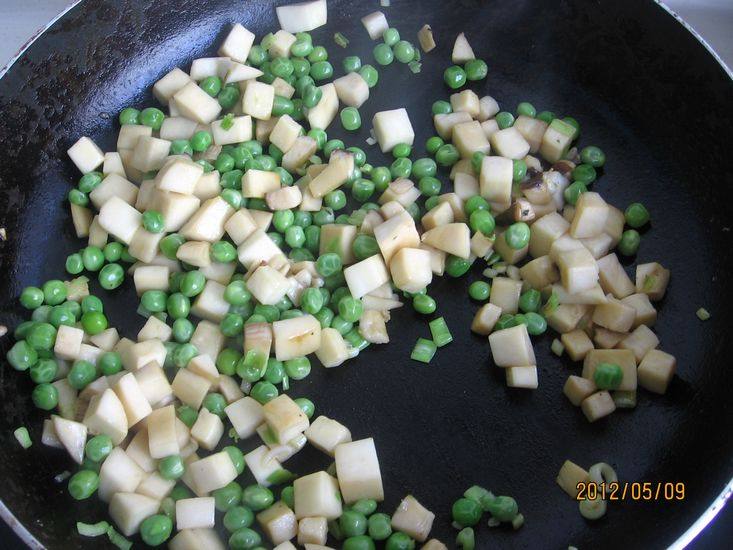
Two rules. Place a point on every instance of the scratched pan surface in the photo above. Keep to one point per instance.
(642, 88)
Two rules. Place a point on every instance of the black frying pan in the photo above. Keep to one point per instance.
(643, 89)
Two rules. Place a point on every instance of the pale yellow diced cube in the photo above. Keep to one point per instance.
(577, 344)
(656, 370)
(598, 405)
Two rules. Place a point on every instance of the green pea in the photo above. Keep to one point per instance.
(41, 336)
(360, 542)
(224, 163)
(352, 523)
(584, 173)
(504, 120)
(399, 541)
(321, 70)
(482, 221)
(298, 368)
(573, 191)
(400, 168)
(244, 539)
(351, 64)
(328, 264)
(362, 189)
(546, 116)
(228, 497)
(391, 36)
(237, 458)
(112, 252)
(215, 403)
(301, 48)
(381, 177)
(257, 497)
(169, 245)
(312, 238)
(442, 107)
(90, 181)
(201, 141)
(180, 492)
(78, 198)
(183, 354)
(152, 117)
(456, 267)
(536, 324)
(476, 69)
(211, 85)
(306, 405)
(128, 115)
(370, 75)
(282, 106)
(98, 447)
(526, 109)
(350, 118)
(54, 292)
(364, 246)
(319, 53)
(429, 186)
(311, 301)
(236, 293)
(479, 291)
(636, 215)
(109, 363)
(466, 512)
(629, 243)
(94, 322)
(233, 197)
(181, 147)
(182, 330)
(404, 52)
(287, 495)
(83, 484)
(238, 517)
(447, 155)
(156, 529)
(517, 235)
(228, 97)
(350, 309)
(171, 467)
(454, 77)
(263, 392)
(111, 276)
(153, 300)
(92, 258)
(365, 506)
(61, 315)
(379, 526)
(332, 145)
(383, 54)
(42, 314)
(466, 539)
(45, 396)
(81, 374)
(592, 156)
(423, 304)
(31, 297)
(530, 300)
(22, 356)
(44, 371)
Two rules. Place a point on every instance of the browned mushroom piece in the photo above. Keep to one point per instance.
(523, 211)
(565, 167)
(536, 189)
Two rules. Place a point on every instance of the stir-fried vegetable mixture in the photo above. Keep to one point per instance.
(228, 206)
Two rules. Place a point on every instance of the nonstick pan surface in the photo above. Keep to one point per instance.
(643, 89)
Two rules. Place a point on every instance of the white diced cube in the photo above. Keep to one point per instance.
(392, 128)
(357, 468)
(86, 155)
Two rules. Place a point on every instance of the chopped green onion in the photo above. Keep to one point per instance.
(518, 521)
(118, 540)
(466, 539)
(23, 437)
(278, 477)
(233, 435)
(553, 302)
(493, 522)
(557, 347)
(92, 529)
(440, 332)
(703, 314)
(227, 122)
(424, 350)
(415, 66)
(63, 476)
(340, 39)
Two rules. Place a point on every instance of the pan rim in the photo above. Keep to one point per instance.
(701, 523)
